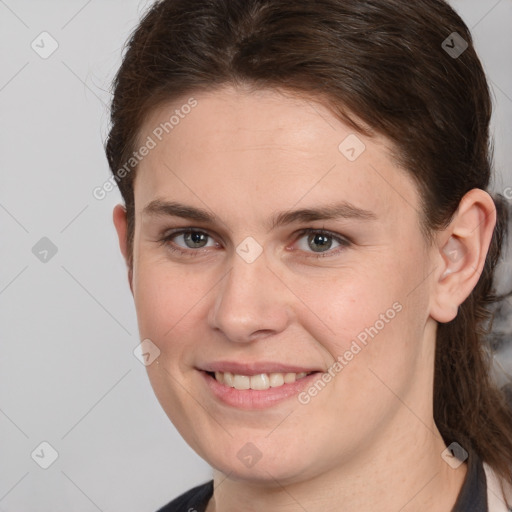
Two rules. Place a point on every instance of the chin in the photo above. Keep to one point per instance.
(270, 464)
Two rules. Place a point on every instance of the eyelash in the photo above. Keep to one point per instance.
(167, 240)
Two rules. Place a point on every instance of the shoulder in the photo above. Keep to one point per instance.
(495, 496)
(194, 500)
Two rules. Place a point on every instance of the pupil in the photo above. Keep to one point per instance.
(321, 240)
(195, 238)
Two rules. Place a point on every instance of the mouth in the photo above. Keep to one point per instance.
(258, 382)
(256, 391)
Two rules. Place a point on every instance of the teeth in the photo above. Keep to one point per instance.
(241, 382)
(260, 382)
(228, 379)
(276, 380)
(289, 378)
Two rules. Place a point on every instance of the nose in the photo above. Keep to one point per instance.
(251, 302)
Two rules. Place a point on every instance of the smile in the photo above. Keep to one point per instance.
(256, 391)
(258, 382)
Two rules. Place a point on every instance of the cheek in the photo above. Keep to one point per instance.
(369, 319)
(348, 304)
(167, 299)
(168, 303)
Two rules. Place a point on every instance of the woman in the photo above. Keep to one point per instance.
(311, 244)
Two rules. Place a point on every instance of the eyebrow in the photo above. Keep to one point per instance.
(342, 210)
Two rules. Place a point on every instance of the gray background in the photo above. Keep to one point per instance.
(68, 375)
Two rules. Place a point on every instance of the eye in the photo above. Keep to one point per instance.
(321, 242)
(185, 241)
(317, 242)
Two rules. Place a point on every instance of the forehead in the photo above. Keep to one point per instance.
(264, 145)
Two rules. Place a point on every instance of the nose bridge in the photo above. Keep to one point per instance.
(249, 300)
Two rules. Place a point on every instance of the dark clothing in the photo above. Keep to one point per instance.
(194, 500)
(472, 496)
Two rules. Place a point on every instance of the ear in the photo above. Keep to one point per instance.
(460, 253)
(120, 223)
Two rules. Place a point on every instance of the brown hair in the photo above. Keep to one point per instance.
(383, 62)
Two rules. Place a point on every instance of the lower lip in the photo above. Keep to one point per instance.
(256, 399)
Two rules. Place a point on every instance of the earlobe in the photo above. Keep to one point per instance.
(461, 254)
(120, 223)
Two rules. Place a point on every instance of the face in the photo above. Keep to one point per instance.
(268, 246)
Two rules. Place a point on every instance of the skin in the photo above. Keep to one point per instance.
(369, 436)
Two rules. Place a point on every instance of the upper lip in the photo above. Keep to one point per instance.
(255, 368)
